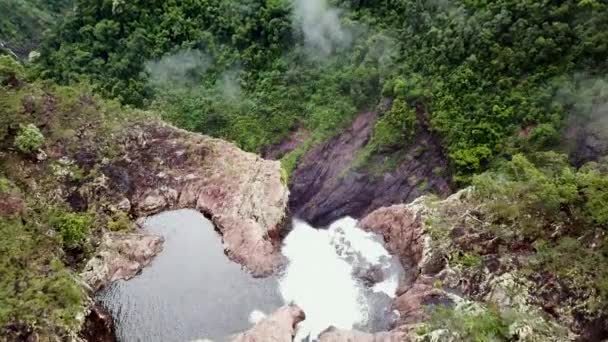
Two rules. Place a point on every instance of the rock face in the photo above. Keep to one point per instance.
(120, 256)
(405, 236)
(98, 326)
(167, 168)
(325, 186)
(278, 327)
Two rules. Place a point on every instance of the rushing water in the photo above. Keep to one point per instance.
(191, 290)
(340, 276)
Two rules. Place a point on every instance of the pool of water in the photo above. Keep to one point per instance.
(340, 276)
(191, 290)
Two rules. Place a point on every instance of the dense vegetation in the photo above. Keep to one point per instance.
(24, 21)
(250, 71)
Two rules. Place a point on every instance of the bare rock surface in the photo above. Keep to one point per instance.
(164, 168)
(326, 185)
(120, 256)
(278, 327)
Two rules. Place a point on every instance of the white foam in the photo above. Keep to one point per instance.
(256, 316)
(319, 277)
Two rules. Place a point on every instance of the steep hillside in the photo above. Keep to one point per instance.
(493, 77)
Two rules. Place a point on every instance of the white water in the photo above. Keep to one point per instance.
(326, 274)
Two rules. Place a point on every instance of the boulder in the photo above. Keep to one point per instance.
(278, 327)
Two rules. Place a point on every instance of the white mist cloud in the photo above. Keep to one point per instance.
(230, 84)
(321, 26)
(183, 68)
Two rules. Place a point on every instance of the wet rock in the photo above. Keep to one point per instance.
(326, 185)
(120, 256)
(401, 230)
(98, 326)
(278, 327)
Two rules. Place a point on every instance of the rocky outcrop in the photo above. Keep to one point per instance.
(98, 326)
(163, 168)
(425, 234)
(120, 256)
(278, 327)
(326, 184)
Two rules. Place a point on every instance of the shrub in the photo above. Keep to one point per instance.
(396, 128)
(10, 70)
(469, 324)
(73, 228)
(29, 139)
(120, 222)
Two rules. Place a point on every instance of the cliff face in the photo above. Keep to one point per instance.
(327, 184)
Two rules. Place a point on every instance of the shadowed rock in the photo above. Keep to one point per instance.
(326, 184)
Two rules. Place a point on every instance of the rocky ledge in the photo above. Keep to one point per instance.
(163, 168)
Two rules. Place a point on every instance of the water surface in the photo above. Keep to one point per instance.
(191, 290)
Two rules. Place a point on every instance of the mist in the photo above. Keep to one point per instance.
(320, 23)
(183, 68)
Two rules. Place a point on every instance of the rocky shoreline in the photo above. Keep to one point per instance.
(165, 168)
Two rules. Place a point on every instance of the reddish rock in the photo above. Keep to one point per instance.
(278, 327)
(165, 168)
(120, 256)
(401, 230)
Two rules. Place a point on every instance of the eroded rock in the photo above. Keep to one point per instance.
(120, 256)
(278, 327)
(165, 168)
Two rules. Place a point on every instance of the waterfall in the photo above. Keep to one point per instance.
(341, 276)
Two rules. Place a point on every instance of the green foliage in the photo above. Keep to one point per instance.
(395, 128)
(484, 71)
(470, 325)
(24, 21)
(35, 287)
(10, 70)
(544, 199)
(120, 221)
(522, 189)
(73, 228)
(465, 259)
(29, 140)
(593, 184)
